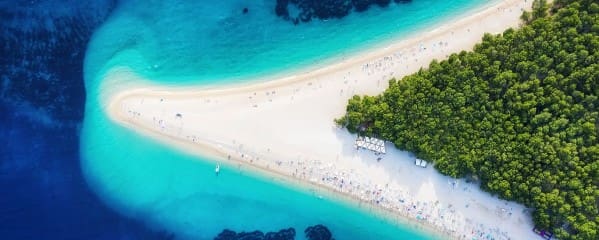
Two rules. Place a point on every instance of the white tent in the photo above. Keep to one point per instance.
(372, 144)
(421, 163)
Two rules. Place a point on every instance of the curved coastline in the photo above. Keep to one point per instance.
(216, 153)
(333, 76)
(343, 60)
(408, 24)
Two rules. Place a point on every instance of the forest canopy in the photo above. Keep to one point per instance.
(519, 113)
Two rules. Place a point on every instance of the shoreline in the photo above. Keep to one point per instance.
(335, 63)
(316, 189)
(232, 97)
(342, 60)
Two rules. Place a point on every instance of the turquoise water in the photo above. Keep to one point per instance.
(211, 42)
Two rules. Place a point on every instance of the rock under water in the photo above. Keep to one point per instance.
(284, 234)
(325, 9)
(316, 232)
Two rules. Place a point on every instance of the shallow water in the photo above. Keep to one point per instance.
(212, 42)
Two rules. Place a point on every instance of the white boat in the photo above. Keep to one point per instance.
(217, 169)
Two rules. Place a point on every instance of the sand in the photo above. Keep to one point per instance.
(285, 128)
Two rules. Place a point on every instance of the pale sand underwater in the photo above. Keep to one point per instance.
(285, 128)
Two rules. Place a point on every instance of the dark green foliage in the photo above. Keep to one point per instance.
(540, 8)
(520, 113)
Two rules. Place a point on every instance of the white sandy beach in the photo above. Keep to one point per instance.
(285, 127)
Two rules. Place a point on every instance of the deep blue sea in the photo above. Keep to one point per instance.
(43, 194)
(68, 172)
